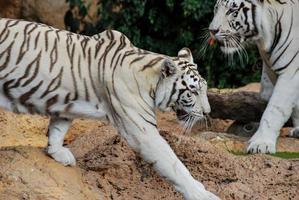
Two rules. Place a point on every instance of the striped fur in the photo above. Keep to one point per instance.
(65, 75)
(273, 25)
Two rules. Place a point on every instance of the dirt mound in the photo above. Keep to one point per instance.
(107, 168)
(27, 173)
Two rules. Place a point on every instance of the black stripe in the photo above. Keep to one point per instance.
(277, 34)
(87, 97)
(25, 97)
(98, 47)
(5, 37)
(152, 63)
(107, 50)
(282, 53)
(289, 32)
(7, 59)
(53, 56)
(284, 67)
(36, 40)
(23, 51)
(127, 53)
(50, 102)
(121, 46)
(35, 71)
(6, 89)
(173, 91)
(27, 71)
(49, 88)
(149, 122)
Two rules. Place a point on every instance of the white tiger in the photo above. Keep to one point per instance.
(273, 25)
(64, 75)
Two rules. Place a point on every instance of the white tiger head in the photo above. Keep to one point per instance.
(182, 89)
(235, 22)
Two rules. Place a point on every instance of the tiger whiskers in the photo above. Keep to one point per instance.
(205, 124)
(242, 53)
(188, 125)
(229, 56)
(233, 42)
(204, 42)
(190, 121)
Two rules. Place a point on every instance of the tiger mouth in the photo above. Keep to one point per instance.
(181, 115)
(228, 47)
(188, 120)
(229, 50)
(230, 43)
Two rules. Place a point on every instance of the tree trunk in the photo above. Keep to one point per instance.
(241, 106)
(244, 107)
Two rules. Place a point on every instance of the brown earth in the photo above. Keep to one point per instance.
(108, 169)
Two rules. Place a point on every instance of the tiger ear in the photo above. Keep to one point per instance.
(186, 53)
(168, 68)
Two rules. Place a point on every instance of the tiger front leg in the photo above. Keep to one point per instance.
(278, 111)
(58, 127)
(145, 139)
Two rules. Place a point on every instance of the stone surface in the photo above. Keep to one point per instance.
(27, 173)
(50, 12)
(31, 130)
(242, 106)
(11, 8)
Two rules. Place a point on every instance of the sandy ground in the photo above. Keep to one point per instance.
(108, 169)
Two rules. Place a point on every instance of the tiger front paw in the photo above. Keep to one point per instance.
(261, 144)
(202, 195)
(62, 155)
(198, 192)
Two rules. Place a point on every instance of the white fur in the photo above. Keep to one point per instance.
(57, 130)
(284, 96)
(104, 76)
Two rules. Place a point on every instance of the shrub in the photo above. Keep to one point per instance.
(165, 26)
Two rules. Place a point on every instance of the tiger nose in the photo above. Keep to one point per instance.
(213, 32)
(206, 114)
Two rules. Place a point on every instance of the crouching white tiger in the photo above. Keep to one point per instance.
(64, 75)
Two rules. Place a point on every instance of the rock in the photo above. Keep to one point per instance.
(241, 106)
(50, 12)
(11, 8)
(27, 173)
(251, 87)
(31, 130)
(25, 130)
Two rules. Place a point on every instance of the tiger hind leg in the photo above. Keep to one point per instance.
(58, 127)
